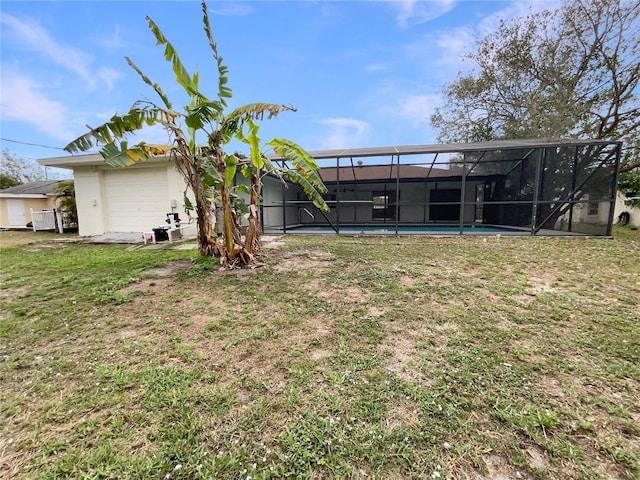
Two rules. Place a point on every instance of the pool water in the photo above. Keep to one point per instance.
(406, 229)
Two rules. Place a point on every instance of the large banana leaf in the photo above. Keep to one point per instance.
(304, 163)
(223, 90)
(153, 85)
(121, 125)
(182, 75)
(253, 140)
(123, 156)
(231, 165)
(202, 112)
(310, 190)
(256, 111)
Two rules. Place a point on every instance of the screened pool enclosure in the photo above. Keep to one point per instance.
(518, 187)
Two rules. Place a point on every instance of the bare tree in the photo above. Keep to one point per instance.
(17, 170)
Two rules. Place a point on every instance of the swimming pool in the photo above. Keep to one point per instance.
(435, 229)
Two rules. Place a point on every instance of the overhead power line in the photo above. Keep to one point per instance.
(31, 144)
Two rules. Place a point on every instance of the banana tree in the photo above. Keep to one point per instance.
(208, 170)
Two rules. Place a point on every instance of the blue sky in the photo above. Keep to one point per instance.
(366, 73)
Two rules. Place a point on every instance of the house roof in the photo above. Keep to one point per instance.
(42, 187)
(383, 172)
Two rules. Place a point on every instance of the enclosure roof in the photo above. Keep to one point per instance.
(42, 187)
(71, 161)
(448, 148)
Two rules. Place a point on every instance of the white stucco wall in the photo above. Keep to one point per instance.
(634, 212)
(92, 198)
(89, 200)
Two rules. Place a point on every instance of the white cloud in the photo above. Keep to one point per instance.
(344, 133)
(33, 37)
(420, 11)
(109, 76)
(231, 9)
(417, 109)
(453, 45)
(113, 41)
(21, 100)
(515, 9)
(376, 67)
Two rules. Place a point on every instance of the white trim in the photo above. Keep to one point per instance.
(25, 195)
(91, 159)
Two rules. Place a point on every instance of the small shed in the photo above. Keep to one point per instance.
(17, 202)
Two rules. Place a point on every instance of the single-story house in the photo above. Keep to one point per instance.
(17, 202)
(520, 186)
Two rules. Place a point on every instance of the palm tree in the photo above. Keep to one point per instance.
(207, 169)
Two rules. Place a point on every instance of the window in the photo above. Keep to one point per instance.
(444, 204)
(592, 209)
(384, 206)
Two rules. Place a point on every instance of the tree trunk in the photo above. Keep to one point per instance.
(252, 239)
(207, 245)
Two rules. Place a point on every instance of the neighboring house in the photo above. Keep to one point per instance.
(621, 206)
(528, 186)
(17, 202)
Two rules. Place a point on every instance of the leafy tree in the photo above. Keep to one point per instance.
(7, 181)
(207, 169)
(630, 184)
(66, 199)
(17, 171)
(573, 72)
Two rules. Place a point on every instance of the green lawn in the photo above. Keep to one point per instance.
(458, 357)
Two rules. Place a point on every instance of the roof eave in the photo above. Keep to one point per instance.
(85, 160)
(25, 195)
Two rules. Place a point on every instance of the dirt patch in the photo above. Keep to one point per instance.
(11, 460)
(302, 261)
(537, 459)
(169, 270)
(402, 415)
(349, 295)
(404, 361)
(147, 285)
(498, 468)
(158, 278)
(376, 312)
(541, 284)
(16, 292)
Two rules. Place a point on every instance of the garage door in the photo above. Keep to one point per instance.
(136, 199)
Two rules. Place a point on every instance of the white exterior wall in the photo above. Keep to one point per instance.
(634, 212)
(89, 200)
(93, 202)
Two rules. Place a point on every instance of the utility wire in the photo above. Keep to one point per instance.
(32, 144)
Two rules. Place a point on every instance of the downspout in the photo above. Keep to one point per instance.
(536, 190)
(338, 195)
(614, 191)
(397, 193)
(463, 193)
